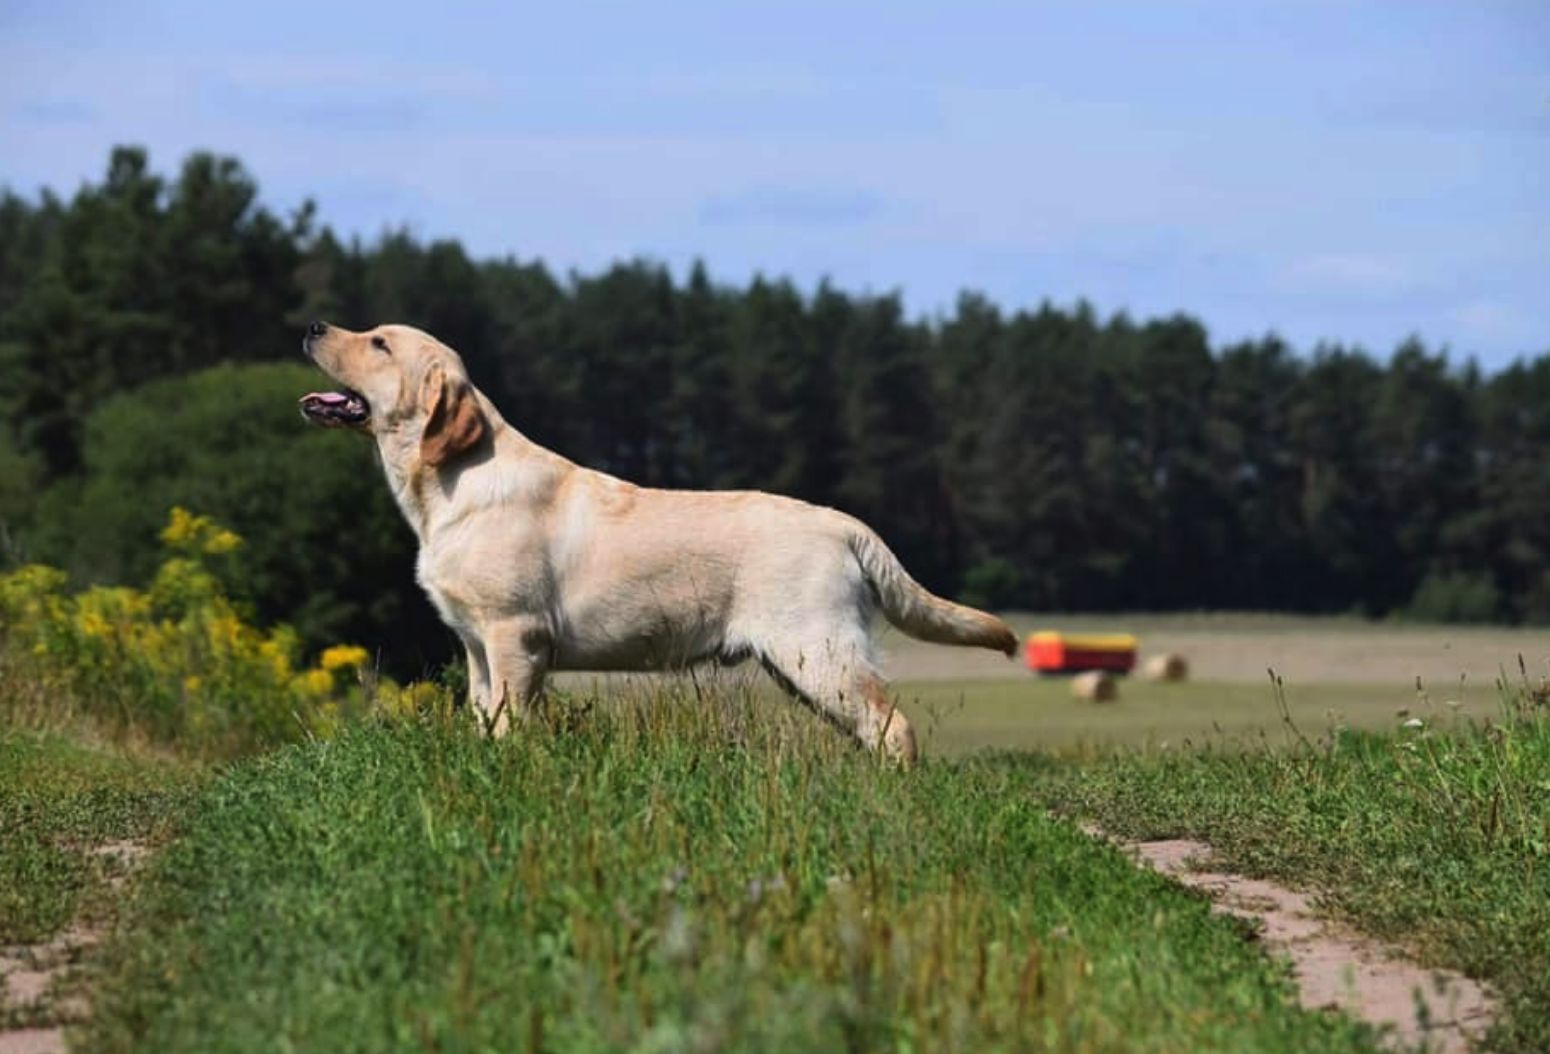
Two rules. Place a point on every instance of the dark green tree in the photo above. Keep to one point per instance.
(787, 436)
(1044, 458)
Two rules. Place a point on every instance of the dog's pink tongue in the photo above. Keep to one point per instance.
(327, 398)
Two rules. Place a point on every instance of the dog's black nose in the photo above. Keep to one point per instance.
(317, 329)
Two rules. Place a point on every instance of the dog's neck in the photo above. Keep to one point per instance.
(499, 470)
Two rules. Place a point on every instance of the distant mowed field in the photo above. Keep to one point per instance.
(1238, 648)
(953, 718)
(1335, 672)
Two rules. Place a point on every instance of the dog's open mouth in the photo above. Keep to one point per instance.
(346, 409)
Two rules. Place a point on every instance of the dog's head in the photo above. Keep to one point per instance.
(396, 379)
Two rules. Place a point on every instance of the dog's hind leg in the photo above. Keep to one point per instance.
(840, 682)
(883, 723)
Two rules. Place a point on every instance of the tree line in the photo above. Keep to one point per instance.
(1047, 458)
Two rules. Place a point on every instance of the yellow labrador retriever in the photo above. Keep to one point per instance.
(540, 564)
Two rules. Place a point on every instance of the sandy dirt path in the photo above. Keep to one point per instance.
(36, 983)
(1333, 966)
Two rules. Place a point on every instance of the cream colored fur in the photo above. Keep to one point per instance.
(540, 564)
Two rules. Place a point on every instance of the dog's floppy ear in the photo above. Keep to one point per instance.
(454, 422)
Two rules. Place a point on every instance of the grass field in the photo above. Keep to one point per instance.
(1025, 712)
(1031, 713)
(672, 867)
(666, 878)
(1239, 648)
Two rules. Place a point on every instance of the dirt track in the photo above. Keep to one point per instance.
(38, 982)
(1440, 1008)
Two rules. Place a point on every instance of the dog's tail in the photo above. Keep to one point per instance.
(915, 609)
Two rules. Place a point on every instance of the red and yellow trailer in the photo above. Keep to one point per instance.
(1051, 652)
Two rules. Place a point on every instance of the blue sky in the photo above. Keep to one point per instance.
(1328, 170)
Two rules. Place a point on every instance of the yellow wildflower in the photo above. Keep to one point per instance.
(221, 540)
(201, 534)
(92, 624)
(317, 682)
(342, 655)
(420, 697)
(181, 527)
(226, 629)
(182, 584)
(25, 592)
(275, 653)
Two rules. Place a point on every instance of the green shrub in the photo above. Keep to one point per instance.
(992, 583)
(1456, 597)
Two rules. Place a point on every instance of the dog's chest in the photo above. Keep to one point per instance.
(452, 609)
(472, 584)
(457, 591)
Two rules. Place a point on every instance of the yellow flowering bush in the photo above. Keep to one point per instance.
(343, 657)
(188, 533)
(178, 660)
(419, 699)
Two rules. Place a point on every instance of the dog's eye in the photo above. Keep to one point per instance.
(380, 343)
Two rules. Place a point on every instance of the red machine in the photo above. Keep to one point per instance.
(1051, 652)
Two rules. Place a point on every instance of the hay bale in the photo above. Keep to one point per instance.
(1169, 666)
(1097, 686)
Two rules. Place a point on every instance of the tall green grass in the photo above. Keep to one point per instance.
(664, 874)
(1438, 841)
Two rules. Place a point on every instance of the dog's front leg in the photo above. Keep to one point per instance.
(517, 651)
(478, 673)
